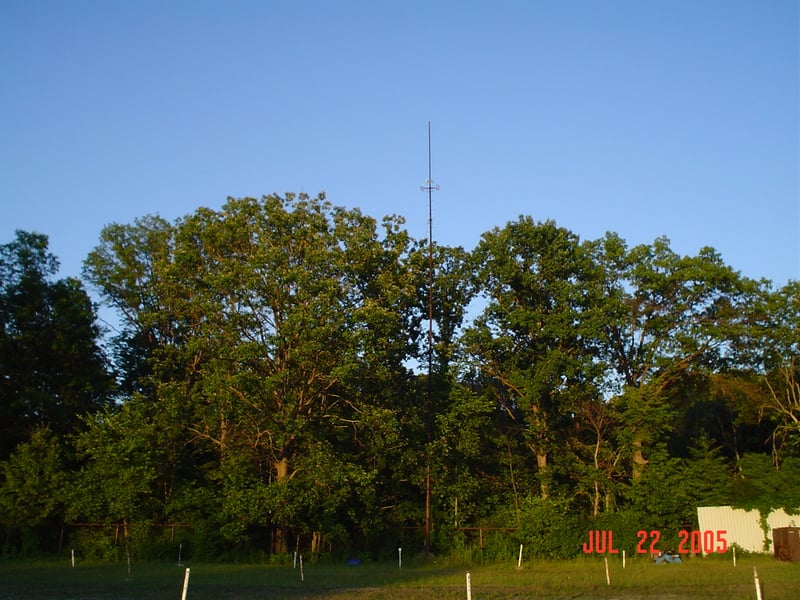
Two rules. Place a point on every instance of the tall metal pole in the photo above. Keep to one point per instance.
(430, 188)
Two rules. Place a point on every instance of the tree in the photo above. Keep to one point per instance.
(118, 482)
(52, 369)
(669, 318)
(780, 358)
(784, 404)
(536, 336)
(598, 464)
(32, 484)
(128, 269)
(273, 325)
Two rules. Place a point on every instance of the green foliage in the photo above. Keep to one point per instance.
(549, 528)
(625, 525)
(52, 370)
(117, 482)
(762, 485)
(535, 337)
(33, 487)
(92, 543)
(667, 495)
(32, 481)
(271, 326)
(272, 388)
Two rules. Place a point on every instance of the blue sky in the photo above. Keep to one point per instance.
(676, 118)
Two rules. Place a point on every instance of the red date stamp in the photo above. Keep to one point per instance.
(601, 541)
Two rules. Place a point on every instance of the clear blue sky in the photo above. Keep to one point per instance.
(647, 118)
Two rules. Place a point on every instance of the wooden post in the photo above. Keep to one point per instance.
(757, 581)
(185, 584)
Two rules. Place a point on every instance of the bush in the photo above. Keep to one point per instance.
(550, 528)
(95, 543)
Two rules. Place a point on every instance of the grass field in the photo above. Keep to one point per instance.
(706, 579)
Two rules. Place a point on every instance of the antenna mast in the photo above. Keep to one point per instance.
(430, 188)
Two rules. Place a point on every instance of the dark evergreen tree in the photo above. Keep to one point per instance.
(52, 368)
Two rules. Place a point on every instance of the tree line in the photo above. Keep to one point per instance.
(275, 378)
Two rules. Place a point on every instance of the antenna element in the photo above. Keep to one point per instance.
(429, 187)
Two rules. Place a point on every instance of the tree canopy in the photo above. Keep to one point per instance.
(52, 368)
(268, 385)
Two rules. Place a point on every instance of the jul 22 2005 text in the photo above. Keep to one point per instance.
(601, 541)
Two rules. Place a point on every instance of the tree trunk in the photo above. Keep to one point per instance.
(544, 474)
(316, 542)
(610, 502)
(638, 459)
(596, 501)
(280, 536)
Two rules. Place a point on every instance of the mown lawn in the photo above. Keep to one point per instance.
(706, 579)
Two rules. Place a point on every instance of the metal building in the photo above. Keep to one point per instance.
(743, 527)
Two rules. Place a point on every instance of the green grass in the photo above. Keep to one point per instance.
(706, 579)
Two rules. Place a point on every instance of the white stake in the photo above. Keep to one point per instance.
(608, 576)
(623, 559)
(758, 584)
(302, 577)
(734, 556)
(294, 562)
(399, 558)
(469, 586)
(185, 584)
(519, 560)
(72, 553)
(180, 551)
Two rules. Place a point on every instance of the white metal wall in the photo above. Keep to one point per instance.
(742, 526)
